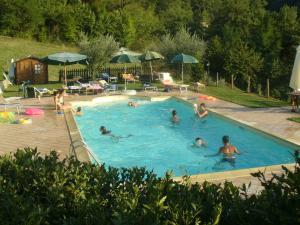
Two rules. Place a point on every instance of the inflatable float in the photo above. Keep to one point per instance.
(24, 121)
(34, 111)
(206, 97)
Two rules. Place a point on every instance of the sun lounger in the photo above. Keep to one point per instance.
(108, 87)
(169, 85)
(149, 87)
(12, 102)
(128, 77)
(39, 92)
(109, 78)
(74, 88)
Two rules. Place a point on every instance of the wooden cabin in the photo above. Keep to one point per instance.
(32, 69)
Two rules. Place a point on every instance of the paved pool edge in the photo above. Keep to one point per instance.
(83, 155)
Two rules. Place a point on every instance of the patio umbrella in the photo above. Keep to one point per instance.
(150, 56)
(295, 78)
(123, 59)
(183, 58)
(65, 58)
(126, 51)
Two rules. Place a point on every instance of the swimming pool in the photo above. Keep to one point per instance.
(157, 144)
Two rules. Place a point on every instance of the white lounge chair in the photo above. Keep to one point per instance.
(39, 92)
(169, 84)
(12, 102)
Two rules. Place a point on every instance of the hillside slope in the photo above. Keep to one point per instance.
(17, 48)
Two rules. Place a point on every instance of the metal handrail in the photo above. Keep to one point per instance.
(87, 148)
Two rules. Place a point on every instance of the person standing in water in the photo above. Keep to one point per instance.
(200, 111)
(175, 118)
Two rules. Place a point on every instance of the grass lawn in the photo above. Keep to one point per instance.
(17, 48)
(242, 98)
(15, 91)
(232, 95)
(295, 119)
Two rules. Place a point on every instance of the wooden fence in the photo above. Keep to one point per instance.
(86, 74)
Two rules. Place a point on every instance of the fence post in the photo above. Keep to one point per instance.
(268, 88)
(217, 79)
(231, 81)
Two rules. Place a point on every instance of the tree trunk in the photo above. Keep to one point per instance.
(232, 82)
(217, 83)
(268, 88)
(249, 85)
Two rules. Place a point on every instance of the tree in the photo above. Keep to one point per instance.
(99, 51)
(243, 63)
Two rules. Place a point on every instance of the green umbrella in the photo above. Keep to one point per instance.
(123, 50)
(150, 56)
(65, 58)
(123, 59)
(183, 58)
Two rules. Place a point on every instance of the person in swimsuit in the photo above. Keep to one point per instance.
(199, 142)
(228, 151)
(174, 118)
(132, 104)
(200, 111)
(104, 131)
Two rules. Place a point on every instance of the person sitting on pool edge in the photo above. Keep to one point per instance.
(228, 150)
(132, 104)
(199, 142)
(202, 112)
(104, 131)
(174, 118)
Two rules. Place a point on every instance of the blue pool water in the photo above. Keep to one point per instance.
(161, 146)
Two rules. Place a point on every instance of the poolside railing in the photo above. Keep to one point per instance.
(82, 144)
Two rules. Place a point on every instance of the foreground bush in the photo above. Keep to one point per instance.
(44, 190)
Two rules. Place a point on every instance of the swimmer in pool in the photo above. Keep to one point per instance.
(200, 111)
(77, 112)
(133, 104)
(199, 142)
(104, 131)
(175, 118)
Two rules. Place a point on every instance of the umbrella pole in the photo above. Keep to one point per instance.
(151, 71)
(182, 72)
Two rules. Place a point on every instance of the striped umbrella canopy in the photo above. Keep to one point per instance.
(150, 56)
(183, 58)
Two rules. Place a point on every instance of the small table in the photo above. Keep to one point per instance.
(150, 88)
(113, 79)
(183, 87)
(74, 88)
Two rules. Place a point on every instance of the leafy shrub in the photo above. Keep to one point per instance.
(45, 190)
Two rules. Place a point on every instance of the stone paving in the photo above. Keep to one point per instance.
(51, 131)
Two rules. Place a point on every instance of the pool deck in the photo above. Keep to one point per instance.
(53, 131)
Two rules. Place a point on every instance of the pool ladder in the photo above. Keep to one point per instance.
(72, 150)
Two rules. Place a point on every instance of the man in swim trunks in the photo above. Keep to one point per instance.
(202, 111)
(228, 150)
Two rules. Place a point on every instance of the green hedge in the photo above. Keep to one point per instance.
(45, 190)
